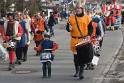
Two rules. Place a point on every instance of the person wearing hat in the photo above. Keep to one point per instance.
(46, 46)
(77, 25)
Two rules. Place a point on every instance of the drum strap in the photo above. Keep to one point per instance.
(78, 27)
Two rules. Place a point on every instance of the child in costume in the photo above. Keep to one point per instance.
(47, 48)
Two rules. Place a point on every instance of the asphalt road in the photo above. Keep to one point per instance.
(62, 67)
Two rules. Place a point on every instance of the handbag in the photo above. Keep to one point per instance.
(95, 60)
(85, 39)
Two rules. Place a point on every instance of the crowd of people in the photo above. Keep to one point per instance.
(86, 29)
(20, 29)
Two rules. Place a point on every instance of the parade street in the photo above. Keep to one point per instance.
(62, 66)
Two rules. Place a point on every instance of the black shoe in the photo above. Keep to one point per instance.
(81, 77)
(18, 62)
(75, 75)
(44, 76)
(24, 60)
(10, 68)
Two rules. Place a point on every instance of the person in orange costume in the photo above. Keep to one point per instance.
(39, 29)
(83, 21)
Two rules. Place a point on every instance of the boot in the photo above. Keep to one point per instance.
(77, 71)
(49, 70)
(76, 66)
(81, 72)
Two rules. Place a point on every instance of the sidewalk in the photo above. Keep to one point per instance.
(112, 44)
(116, 72)
(62, 67)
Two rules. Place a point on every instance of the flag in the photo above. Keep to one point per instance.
(104, 8)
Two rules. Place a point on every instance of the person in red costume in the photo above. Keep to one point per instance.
(12, 34)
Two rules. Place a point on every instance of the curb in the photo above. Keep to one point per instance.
(113, 59)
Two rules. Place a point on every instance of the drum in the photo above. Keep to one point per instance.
(84, 41)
